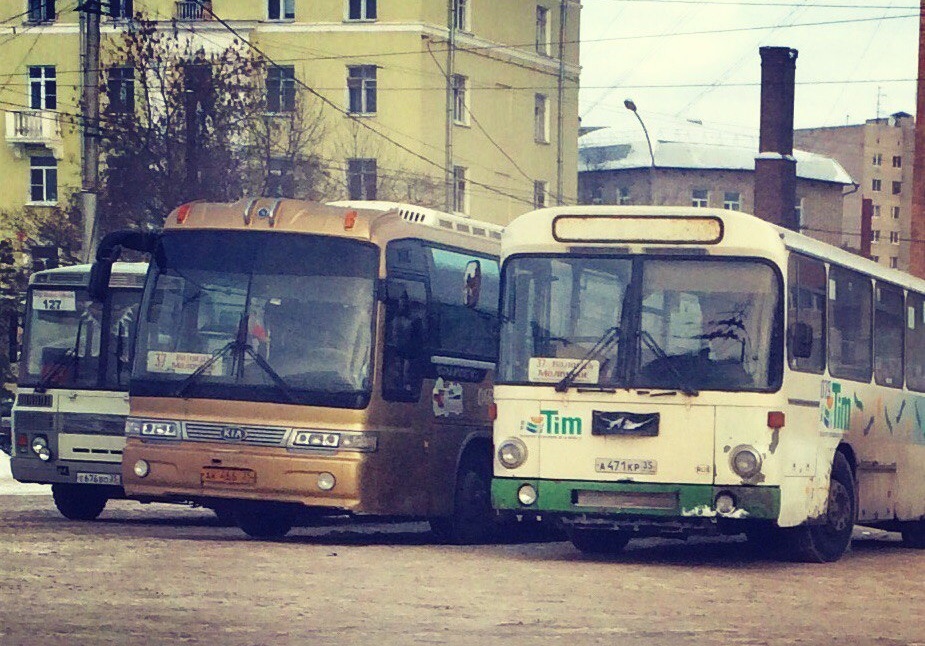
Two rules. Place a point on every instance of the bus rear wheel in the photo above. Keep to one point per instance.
(79, 502)
(598, 541)
(829, 540)
(264, 521)
(473, 519)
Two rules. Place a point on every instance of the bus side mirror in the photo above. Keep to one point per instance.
(801, 340)
(13, 338)
(108, 252)
(100, 273)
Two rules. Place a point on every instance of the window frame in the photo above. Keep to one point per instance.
(365, 8)
(699, 202)
(879, 288)
(795, 363)
(540, 192)
(543, 31)
(359, 170)
(462, 20)
(43, 89)
(41, 11)
(120, 89)
(366, 87)
(540, 118)
(732, 204)
(623, 196)
(460, 190)
(280, 91)
(460, 90)
(897, 187)
(285, 10)
(915, 313)
(47, 167)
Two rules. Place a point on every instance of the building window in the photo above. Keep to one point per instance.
(541, 119)
(361, 89)
(361, 179)
(460, 100)
(281, 89)
(897, 188)
(280, 178)
(894, 211)
(623, 195)
(43, 179)
(460, 190)
(597, 194)
(732, 200)
(894, 237)
(281, 9)
(361, 9)
(542, 31)
(120, 89)
(539, 194)
(875, 184)
(43, 88)
(876, 211)
(897, 161)
(799, 214)
(461, 15)
(41, 10)
(875, 258)
(878, 159)
(894, 262)
(700, 197)
(875, 235)
(120, 9)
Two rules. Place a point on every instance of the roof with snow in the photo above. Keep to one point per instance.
(690, 145)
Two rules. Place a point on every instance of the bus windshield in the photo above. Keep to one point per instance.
(689, 324)
(259, 317)
(63, 346)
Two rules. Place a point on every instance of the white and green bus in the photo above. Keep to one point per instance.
(669, 371)
(72, 394)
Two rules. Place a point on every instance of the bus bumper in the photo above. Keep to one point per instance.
(33, 470)
(656, 502)
(201, 472)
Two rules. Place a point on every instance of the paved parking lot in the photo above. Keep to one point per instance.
(164, 574)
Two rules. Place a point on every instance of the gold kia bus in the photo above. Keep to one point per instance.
(297, 359)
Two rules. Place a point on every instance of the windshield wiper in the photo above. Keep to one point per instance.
(608, 340)
(69, 357)
(238, 347)
(662, 356)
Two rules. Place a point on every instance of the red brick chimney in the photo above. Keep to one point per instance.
(775, 167)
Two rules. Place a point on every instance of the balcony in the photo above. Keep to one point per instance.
(187, 10)
(34, 128)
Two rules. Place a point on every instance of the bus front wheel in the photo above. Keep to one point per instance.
(473, 520)
(264, 521)
(598, 541)
(829, 540)
(914, 534)
(79, 502)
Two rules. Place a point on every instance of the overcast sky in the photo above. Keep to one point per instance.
(869, 48)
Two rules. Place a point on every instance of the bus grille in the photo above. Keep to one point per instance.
(36, 400)
(255, 435)
(29, 421)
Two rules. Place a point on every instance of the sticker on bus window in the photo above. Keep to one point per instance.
(54, 301)
(181, 363)
(552, 370)
(831, 289)
(910, 318)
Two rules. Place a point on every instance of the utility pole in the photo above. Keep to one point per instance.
(563, 18)
(450, 63)
(90, 12)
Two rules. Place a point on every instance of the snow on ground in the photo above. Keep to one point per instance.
(9, 487)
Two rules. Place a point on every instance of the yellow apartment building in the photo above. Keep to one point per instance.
(476, 99)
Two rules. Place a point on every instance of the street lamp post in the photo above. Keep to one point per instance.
(632, 108)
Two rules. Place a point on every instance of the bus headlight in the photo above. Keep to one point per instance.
(151, 428)
(343, 440)
(40, 448)
(745, 461)
(326, 481)
(512, 453)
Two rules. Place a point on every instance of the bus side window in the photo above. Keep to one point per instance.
(915, 342)
(806, 314)
(850, 301)
(888, 336)
(405, 355)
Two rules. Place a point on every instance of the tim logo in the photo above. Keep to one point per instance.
(233, 434)
(549, 422)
